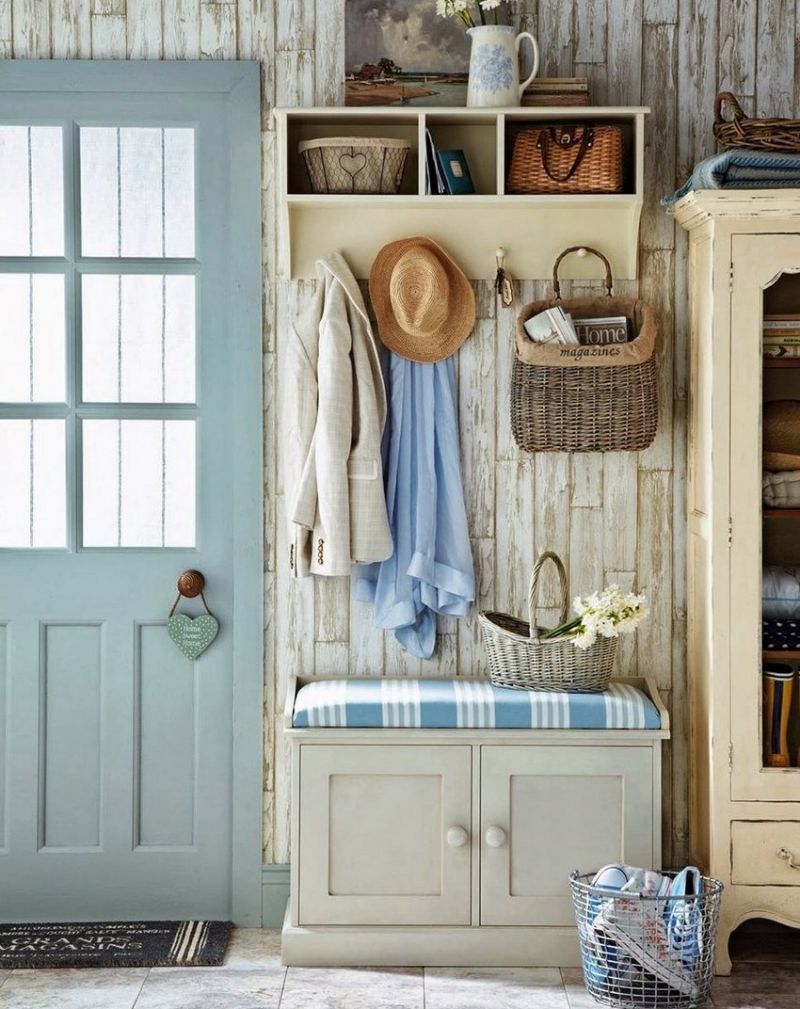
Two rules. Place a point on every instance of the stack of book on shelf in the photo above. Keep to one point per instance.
(556, 91)
(446, 171)
(554, 325)
(781, 336)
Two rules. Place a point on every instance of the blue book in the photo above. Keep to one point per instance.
(455, 172)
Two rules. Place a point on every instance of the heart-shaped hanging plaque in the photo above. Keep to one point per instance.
(192, 634)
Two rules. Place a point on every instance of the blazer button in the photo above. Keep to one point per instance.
(320, 552)
(291, 557)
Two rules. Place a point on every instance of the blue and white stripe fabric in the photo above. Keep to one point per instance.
(741, 168)
(466, 704)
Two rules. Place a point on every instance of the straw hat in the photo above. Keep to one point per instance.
(782, 435)
(424, 304)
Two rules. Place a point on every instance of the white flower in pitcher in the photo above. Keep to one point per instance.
(490, 5)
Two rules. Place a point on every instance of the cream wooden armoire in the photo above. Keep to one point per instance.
(744, 263)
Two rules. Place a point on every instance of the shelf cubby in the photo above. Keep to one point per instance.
(532, 228)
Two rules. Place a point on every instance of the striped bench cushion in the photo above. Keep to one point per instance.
(466, 704)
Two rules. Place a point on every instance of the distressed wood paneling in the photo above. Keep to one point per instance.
(70, 29)
(618, 518)
(145, 35)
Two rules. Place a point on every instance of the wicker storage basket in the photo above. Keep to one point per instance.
(355, 164)
(586, 398)
(575, 158)
(519, 658)
(759, 134)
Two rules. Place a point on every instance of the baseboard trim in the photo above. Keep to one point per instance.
(430, 946)
(274, 894)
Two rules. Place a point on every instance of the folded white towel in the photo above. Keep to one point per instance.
(782, 490)
(780, 593)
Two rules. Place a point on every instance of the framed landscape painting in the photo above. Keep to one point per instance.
(400, 52)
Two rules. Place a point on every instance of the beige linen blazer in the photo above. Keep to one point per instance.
(335, 410)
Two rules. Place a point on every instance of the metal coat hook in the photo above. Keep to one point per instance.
(503, 281)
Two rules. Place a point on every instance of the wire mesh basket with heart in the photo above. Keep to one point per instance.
(355, 164)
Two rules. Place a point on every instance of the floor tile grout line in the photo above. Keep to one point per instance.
(283, 986)
(424, 997)
(141, 986)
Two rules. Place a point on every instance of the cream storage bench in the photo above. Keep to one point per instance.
(435, 822)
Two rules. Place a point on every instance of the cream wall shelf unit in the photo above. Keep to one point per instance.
(452, 847)
(744, 260)
(533, 229)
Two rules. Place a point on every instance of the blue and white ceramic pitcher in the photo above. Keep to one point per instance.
(494, 66)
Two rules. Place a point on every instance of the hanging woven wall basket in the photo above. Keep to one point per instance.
(567, 398)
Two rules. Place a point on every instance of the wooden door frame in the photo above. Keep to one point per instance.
(238, 83)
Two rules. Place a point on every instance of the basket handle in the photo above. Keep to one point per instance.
(566, 141)
(583, 249)
(533, 592)
(738, 112)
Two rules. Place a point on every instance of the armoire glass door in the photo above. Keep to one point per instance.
(765, 517)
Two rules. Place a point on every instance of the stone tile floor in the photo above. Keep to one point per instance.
(253, 978)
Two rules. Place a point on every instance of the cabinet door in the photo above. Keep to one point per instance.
(765, 281)
(546, 810)
(376, 840)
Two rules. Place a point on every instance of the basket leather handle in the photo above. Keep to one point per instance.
(609, 281)
(725, 97)
(567, 140)
(533, 592)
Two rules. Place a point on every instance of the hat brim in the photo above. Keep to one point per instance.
(780, 462)
(460, 318)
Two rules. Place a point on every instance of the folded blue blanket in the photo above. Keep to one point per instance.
(741, 168)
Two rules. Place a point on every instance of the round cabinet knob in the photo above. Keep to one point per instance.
(495, 837)
(457, 837)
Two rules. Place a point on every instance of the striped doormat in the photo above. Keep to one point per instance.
(115, 944)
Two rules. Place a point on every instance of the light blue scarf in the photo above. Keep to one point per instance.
(431, 569)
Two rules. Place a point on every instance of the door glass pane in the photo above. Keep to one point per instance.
(137, 191)
(32, 340)
(139, 483)
(138, 339)
(780, 496)
(32, 191)
(33, 468)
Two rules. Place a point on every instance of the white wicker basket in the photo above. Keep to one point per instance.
(355, 164)
(519, 658)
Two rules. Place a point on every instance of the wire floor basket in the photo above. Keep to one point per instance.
(641, 952)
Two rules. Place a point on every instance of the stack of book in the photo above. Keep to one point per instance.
(781, 336)
(556, 91)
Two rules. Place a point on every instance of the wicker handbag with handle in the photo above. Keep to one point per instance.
(519, 657)
(574, 158)
(567, 398)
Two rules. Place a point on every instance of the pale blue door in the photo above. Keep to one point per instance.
(130, 447)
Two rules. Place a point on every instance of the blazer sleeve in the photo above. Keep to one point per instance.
(330, 554)
(300, 421)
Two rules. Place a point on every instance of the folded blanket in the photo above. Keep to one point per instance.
(782, 490)
(741, 168)
(780, 592)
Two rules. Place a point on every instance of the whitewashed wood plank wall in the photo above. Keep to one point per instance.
(616, 517)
